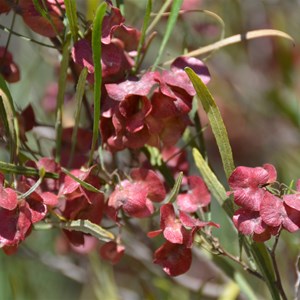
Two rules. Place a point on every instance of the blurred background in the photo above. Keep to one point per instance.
(256, 84)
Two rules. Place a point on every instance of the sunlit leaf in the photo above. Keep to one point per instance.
(88, 227)
(26, 171)
(71, 13)
(170, 26)
(86, 185)
(96, 47)
(9, 119)
(175, 190)
(143, 34)
(212, 182)
(159, 15)
(215, 120)
(62, 79)
(78, 99)
(236, 39)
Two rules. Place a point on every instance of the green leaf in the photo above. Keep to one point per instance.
(96, 47)
(170, 26)
(71, 13)
(263, 261)
(43, 11)
(78, 99)
(258, 251)
(61, 96)
(26, 171)
(143, 35)
(158, 16)
(86, 185)
(215, 120)
(236, 39)
(42, 173)
(212, 182)
(9, 118)
(208, 13)
(155, 156)
(175, 190)
(88, 227)
(158, 163)
(91, 7)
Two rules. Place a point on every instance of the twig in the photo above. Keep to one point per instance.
(223, 252)
(235, 39)
(214, 242)
(8, 30)
(9, 37)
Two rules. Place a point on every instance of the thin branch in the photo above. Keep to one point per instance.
(9, 37)
(247, 268)
(214, 242)
(235, 39)
(8, 30)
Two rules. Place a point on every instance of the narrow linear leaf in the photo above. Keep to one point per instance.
(96, 47)
(86, 185)
(175, 190)
(212, 182)
(215, 120)
(236, 39)
(203, 11)
(61, 96)
(88, 227)
(170, 26)
(209, 177)
(71, 12)
(259, 251)
(78, 99)
(91, 7)
(42, 10)
(155, 155)
(143, 35)
(9, 118)
(5, 120)
(208, 13)
(200, 133)
(263, 261)
(159, 15)
(35, 186)
(158, 163)
(26, 171)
